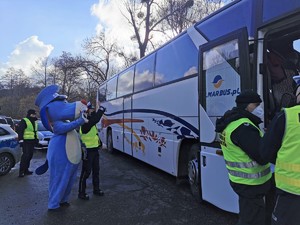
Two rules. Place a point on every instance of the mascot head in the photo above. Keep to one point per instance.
(55, 107)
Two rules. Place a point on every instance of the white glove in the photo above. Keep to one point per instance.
(84, 117)
(83, 108)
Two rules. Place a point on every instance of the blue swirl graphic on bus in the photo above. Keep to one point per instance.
(218, 80)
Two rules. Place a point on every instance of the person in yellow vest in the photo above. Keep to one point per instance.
(281, 146)
(90, 163)
(27, 133)
(249, 175)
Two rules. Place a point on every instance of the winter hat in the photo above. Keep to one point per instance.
(31, 111)
(246, 97)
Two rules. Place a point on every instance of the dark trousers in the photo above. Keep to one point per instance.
(28, 147)
(287, 209)
(88, 166)
(252, 203)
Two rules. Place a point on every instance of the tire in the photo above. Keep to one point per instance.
(110, 146)
(194, 172)
(6, 163)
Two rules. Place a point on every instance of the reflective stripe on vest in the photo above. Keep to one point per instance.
(250, 176)
(90, 139)
(241, 168)
(287, 169)
(29, 132)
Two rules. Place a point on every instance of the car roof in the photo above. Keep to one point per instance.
(3, 120)
(4, 125)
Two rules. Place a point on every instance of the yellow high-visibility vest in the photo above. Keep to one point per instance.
(29, 132)
(90, 139)
(241, 168)
(287, 169)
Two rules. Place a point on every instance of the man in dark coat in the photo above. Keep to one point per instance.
(27, 132)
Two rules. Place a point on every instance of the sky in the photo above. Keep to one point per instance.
(31, 29)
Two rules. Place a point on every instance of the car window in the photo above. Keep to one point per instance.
(3, 132)
(3, 121)
(9, 120)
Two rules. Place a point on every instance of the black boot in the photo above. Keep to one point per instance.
(21, 174)
(98, 192)
(28, 172)
(83, 196)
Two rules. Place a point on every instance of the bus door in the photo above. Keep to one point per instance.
(278, 61)
(127, 124)
(224, 71)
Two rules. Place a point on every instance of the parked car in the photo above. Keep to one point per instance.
(3, 120)
(16, 122)
(10, 151)
(10, 122)
(44, 136)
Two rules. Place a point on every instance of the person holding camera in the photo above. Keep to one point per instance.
(89, 137)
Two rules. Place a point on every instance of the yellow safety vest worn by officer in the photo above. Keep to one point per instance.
(90, 139)
(241, 168)
(30, 131)
(287, 169)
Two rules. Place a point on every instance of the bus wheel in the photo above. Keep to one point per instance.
(110, 147)
(194, 173)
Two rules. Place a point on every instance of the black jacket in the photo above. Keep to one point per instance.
(246, 136)
(271, 142)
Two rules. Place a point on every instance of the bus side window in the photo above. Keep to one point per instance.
(144, 74)
(125, 82)
(176, 60)
(102, 93)
(111, 91)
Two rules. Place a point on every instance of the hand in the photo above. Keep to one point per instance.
(84, 117)
(83, 106)
(103, 109)
(21, 143)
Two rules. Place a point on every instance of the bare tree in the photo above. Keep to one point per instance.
(40, 70)
(68, 74)
(15, 77)
(16, 87)
(178, 14)
(77, 76)
(145, 18)
(105, 54)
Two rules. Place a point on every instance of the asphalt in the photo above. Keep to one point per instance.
(135, 194)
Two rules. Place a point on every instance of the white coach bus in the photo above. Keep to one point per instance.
(162, 109)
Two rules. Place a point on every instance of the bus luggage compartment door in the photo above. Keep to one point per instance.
(214, 180)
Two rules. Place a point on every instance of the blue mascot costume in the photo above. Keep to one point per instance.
(64, 150)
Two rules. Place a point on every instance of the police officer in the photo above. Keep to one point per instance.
(281, 146)
(89, 137)
(249, 174)
(27, 133)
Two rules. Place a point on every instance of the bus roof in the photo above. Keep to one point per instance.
(245, 13)
(240, 14)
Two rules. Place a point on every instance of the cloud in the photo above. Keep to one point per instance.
(113, 23)
(26, 53)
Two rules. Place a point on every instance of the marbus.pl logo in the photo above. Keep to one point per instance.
(217, 82)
